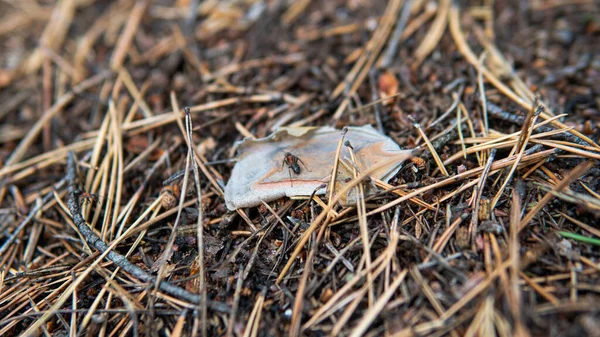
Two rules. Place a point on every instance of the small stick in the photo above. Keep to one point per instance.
(200, 223)
(118, 259)
(236, 302)
(577, 172)
(374, 97)
(390, 52)
(497, 112)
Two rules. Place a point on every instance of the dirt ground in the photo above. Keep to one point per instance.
(112, 212)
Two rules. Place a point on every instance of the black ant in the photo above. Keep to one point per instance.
(292, 162)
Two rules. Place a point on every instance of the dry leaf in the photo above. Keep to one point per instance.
(388, 87)
(261, 174)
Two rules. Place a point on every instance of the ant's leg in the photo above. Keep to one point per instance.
(290, 172)
(300, 160)
(282, 162)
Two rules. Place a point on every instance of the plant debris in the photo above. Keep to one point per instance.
(119, 127)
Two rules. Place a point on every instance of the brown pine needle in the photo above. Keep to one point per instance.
(362, 223)
(419, 254)
(317, 222)
(520, 149)
(477, 196)
(432, 150)
(577, 172)
(373, 312)
(125, 40)
(254, 319)
(363, 65)
(464, 48)
(438, 26)
(495, 166)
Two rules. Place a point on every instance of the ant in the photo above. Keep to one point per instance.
(87, 198)
(292, 162)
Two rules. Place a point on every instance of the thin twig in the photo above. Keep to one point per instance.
(118, 259)
(390, 52)
(577, 172)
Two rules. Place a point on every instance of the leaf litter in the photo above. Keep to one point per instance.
(489, 230)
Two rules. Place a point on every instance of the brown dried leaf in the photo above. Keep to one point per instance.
(388, 86)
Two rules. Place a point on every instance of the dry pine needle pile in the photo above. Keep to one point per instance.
(120, 122)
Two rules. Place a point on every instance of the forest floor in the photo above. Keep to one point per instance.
(490, 229)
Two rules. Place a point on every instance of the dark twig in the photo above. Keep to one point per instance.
(118, 259)
(236, 302)
(200, 223)
(395, 39)
(375, 97)
(447, 113)
(497, 112)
